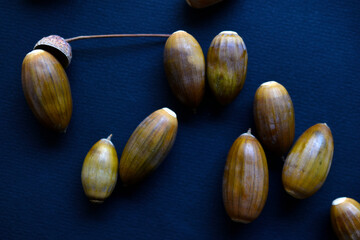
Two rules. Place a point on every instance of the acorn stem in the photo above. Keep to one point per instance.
(109, 137)
(116, 36)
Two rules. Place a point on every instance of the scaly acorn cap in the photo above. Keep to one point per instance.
(58, 47)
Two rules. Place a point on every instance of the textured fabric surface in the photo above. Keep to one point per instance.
(311, 47)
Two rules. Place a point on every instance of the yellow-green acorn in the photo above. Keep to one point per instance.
(345, 218)
(99, 171)
(246, 179)
(227, 66)
(184, 64)
(308, 162)
(148, 146)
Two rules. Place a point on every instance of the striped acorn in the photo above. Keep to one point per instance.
(226, 66)
(274, 117)
(45, 83)
(148, 146)
(202, 3)
(99, 171)
(345, 218)
(246, 179)
(308, 162)
(184, 64)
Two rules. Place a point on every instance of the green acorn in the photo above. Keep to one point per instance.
(227, 66)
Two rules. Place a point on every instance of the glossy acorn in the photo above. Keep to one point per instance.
(148, 146)
(202, 3)
(226, 66)
(100, 170)
(308, 162)
(345, 218)
(274, 117)
(246, 179)
(184, 64)
(45, 83)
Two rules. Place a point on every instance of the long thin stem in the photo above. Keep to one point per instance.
(116, 36)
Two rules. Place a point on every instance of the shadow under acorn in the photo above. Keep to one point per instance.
(45, 137)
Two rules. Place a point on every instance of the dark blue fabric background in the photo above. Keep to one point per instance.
(311, 47)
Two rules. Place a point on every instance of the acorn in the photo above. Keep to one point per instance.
(345, 218)
(185, 68)
(99, 171)
(308, 162)
(226, 66)
(274, 117)
(148, 146)
(45, 83)
(246, 179)
(202, 3)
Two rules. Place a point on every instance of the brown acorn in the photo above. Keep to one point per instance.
(47, 89)
(308, 162)
(345, 218)
(185, 68)
(274, 117)
(202, 3)
(44, 81)
(226, 66)
(99, 171)
(148, 146)
(246, 179)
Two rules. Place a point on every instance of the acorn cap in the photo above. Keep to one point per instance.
(58, 47)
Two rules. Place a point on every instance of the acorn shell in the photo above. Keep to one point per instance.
(274, 117)
(226, 66)
(345, 218)
(99, 171)
(148, 146)
(202, 3)
(47, 89)
(308, 162)
(184, 64)
(246, 179)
